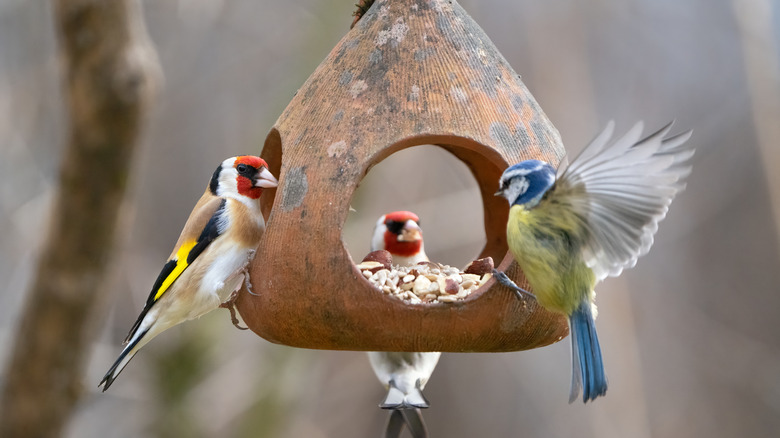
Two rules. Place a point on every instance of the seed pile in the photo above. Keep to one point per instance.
(426, 282)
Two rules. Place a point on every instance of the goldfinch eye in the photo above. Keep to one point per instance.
(394, 226)
(242, 168)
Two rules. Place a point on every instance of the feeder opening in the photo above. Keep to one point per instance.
(445, 186)
(432, 183)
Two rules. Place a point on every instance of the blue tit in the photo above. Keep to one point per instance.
(572, 228)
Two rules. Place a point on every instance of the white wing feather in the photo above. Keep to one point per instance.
(621, 191)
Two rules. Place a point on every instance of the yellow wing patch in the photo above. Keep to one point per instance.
(181, 265)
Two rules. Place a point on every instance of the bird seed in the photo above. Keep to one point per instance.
(428, 282)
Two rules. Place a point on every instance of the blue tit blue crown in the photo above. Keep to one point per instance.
(526, 182)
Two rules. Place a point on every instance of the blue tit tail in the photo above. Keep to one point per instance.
(587, 365)
(397, 399)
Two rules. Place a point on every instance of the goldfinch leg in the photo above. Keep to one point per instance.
(229, 304)
(506, 281)
(245, 271)
(247, 283)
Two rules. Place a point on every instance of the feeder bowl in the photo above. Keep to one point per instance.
(409, 73)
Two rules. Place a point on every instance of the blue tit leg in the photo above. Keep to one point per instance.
(587, 365)
(506, 281)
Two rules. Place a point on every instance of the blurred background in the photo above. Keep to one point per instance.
(691, 338)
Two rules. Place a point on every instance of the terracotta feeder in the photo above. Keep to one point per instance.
(410, 72)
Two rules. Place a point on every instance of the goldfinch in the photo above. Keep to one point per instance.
(590, 221)
(403, 373)
(400, 234)
(209, 262)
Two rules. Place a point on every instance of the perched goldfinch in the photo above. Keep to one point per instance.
(403, 373)
(592, 221)
(209, 262)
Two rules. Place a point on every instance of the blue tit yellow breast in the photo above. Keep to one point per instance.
(546, 242)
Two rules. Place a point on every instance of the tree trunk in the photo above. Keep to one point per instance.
(110, 69)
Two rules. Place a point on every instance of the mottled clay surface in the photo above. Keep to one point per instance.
(411, 72)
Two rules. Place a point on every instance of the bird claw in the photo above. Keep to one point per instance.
(506, 281)
(248, 285)
(247, 282)
(229, 304)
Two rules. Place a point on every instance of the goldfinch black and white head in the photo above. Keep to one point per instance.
(242, 176)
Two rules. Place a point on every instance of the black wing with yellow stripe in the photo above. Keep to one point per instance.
(173, 268)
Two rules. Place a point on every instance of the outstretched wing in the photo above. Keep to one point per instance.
(203, 227)
(620, 192)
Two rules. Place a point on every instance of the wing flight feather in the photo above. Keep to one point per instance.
(620, 192)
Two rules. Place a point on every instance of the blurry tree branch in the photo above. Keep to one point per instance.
(762, 71)
(110, 71)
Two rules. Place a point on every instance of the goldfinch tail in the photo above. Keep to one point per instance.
(396, 399)
(587, 365)
(124, 358)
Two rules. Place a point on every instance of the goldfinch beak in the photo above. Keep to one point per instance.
(411, 232)
(265, 179)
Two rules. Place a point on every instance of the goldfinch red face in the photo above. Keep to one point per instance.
(246, 175)
(399, 233)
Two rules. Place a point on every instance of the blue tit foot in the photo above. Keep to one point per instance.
(229, 304)
(506, 281)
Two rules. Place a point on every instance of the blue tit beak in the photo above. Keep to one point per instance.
(500, 192)
(265, 179)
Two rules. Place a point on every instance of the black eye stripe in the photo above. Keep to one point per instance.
(246, 170)
(394, 227)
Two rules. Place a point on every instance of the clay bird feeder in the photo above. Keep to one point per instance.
(409, 73)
